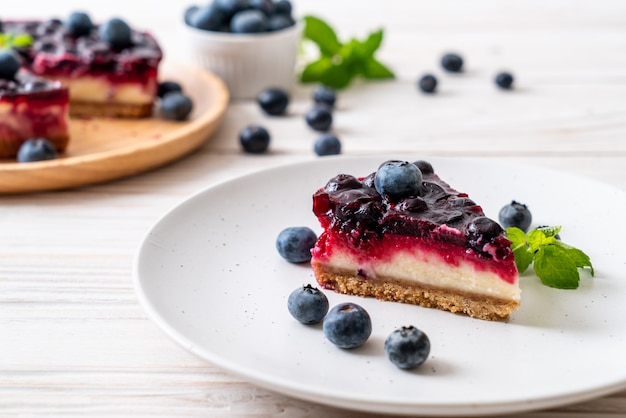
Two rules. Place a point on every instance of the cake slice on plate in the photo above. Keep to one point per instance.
(402, 234)
(111, 70)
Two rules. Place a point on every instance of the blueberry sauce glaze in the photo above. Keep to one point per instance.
(438, 220)
(56, 52)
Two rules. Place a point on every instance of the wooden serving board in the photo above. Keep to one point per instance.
(101, 150)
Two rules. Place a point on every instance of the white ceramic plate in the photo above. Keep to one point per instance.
(208, 273)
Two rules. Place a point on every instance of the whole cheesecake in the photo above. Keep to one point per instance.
(32, 107)
(434, 248)
(105, 78)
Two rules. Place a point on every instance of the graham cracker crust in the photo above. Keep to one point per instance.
(473, 305)
(82, 109)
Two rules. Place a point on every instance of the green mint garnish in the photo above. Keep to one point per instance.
(555, 263)
(339, 63)
(9, 40)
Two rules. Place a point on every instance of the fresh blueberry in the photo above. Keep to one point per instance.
(398, 179)
(168, 86)
(230, 7)
(307, 304)
(176, 106)
(248, 21)
(294, 244)
(189, 13)
(273, 101)
(9, 64)
(325, 95)
(452, 63)
(266, 6)
(279, 22)
(327, 144)
(36, 149)
(209, 17)
(504, 80)
(515, 214)
(283, 7)
(427, 83)
(347, 325)
(116, 33)
(407, 347)
(79, 24)
(319, 118)
(254, 139)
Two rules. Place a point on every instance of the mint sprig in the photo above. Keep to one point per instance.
(9, 40)
(555, 263)
(339, 63)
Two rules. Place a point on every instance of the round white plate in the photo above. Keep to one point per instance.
(209, 274)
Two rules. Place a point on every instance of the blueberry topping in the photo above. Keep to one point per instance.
(515, 214)
(407, 347)
(35, 85)
(398, 179)
(347, 325)
(9, 64)
(325, 95)
(481, 230)
(319, 118)
(249, 21)
(327, 144)
(254, 139)
(36, 149)
(452, 63)
(504, 80)
(209, 17)
(308, 305)
(294, 244)
(273, 101)
(342, 182)
(424, 166)
(116, 33)
(78, 24)
(167, 86)
(428, 83)
(176, 106)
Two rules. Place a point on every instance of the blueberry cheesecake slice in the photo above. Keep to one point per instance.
(110, 69)
(403, 234)
(30, 107)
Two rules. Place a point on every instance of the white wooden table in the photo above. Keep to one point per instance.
(74, 340)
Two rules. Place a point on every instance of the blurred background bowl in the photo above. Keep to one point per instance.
(248, 63)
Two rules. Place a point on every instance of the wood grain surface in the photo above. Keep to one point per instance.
(75, 341)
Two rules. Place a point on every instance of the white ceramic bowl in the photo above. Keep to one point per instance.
(247, 63)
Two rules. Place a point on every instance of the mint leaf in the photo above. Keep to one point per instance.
(8, 40)
(580, 258)
(322, 34)
(339, 63)
(367, 48)
(555, 268)
(555, 263)
(314, 72)
(376, 70)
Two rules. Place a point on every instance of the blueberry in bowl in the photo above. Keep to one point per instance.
(249, 44)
